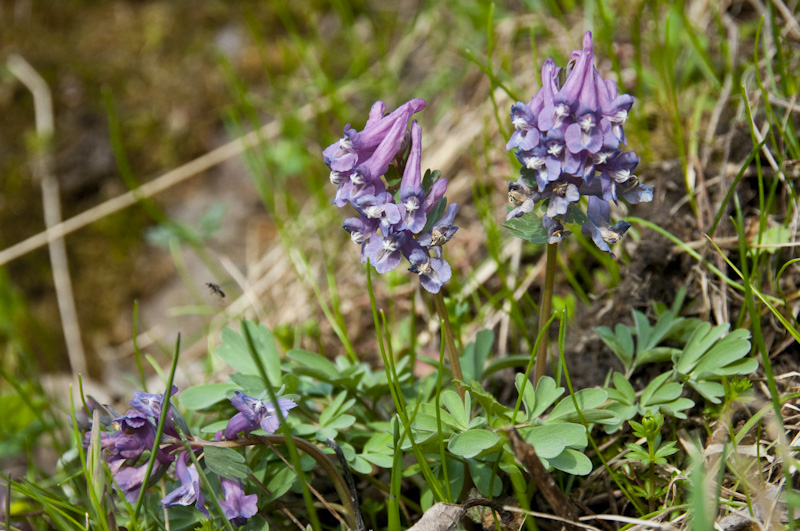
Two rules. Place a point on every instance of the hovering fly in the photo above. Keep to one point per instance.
(215, 289)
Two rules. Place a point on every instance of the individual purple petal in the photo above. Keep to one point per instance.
(237, 507)
(238, 423)
(634, 192)
(129, 480)
(271, 420)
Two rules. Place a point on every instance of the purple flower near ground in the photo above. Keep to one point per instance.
(237, 507)
(569, 141)
(254, 414)
(189, 490)
(149, 404)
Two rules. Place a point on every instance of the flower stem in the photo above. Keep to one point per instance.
(455, 364)
(545, 308)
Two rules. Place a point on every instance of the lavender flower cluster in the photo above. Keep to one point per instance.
(569, 140)
(135, 433)
(392, 224)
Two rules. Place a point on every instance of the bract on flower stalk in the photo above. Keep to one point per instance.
(391, 225)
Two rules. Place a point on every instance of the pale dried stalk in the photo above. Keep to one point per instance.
(42, 168)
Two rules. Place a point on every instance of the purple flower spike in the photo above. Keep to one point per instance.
(237, 507)
(433, 272)
(598, 227)
(580, 136)
(189, 490)
(254, 414)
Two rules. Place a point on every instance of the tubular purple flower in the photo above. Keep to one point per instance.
(523, 197)
(434, 195)
(411, 193)
(598, 227)
(563, 193)
(380, 208)
(433, 272)
(385, 252)
(136, 434)
(356, 147)
(525, 135)
(442, 230)
(149, 404)
(189, 490)
(555, 230)
(237, 507)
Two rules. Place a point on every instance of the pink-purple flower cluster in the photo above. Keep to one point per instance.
(391, 223)
(569, 140)
(135, 432)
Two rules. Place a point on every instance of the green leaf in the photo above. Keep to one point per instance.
(586, 399)
(656, 355)
(546, 394)
(475, 356)
(481, 474)
(572, 462)
(312, 364)
(724, 352)
(203, 396)
(654, 385)
(547, 445)
(458, 408)
(620, 343)
(225, 462)
(234, 351)
(643, 330)
(528, 227)
(280, 481)
(472, 442)
(702, 339)
(625, 393)
(711, 391)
